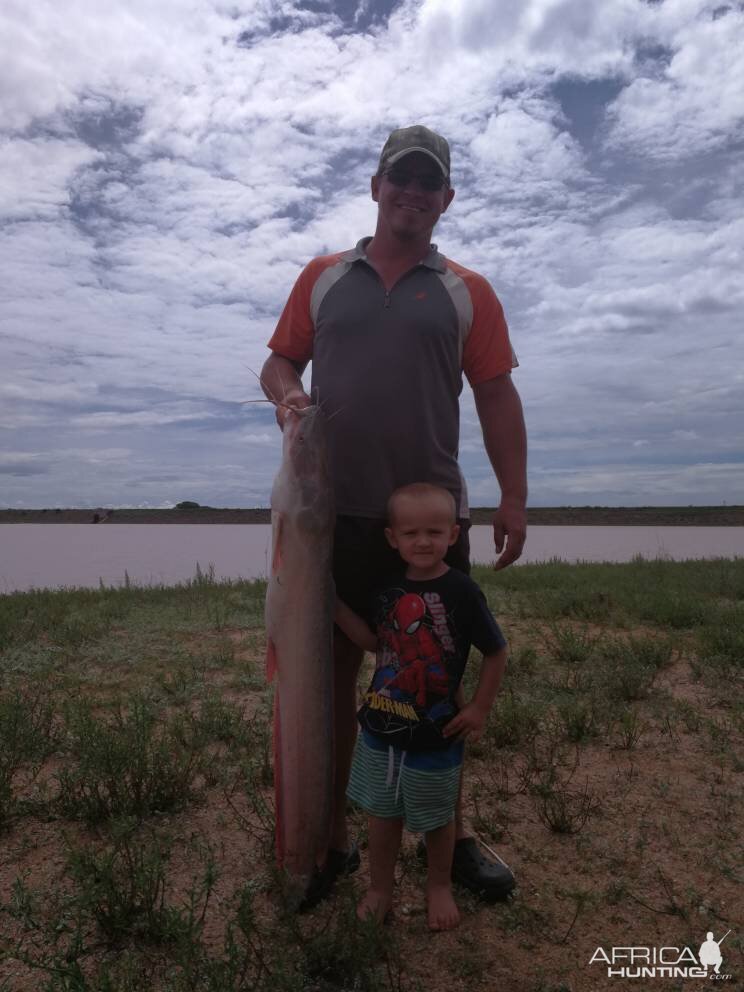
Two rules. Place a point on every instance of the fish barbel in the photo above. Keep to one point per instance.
(300, 601)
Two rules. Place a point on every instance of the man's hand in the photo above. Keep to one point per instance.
(467, 725)
(510, 526)
(295, 400)
(500, 414)
(282, 384)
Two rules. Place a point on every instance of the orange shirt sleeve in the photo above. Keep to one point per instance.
(487, 352)
(294, 333)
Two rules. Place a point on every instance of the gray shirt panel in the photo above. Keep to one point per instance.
(387, 368)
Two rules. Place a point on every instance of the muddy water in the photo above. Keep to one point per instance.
(39, 555)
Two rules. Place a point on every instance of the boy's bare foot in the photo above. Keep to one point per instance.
(443, 913)
(374, 904)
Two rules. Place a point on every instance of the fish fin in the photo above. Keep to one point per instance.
(270, 661)
(278, 819)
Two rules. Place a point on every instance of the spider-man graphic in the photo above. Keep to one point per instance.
(420, 655)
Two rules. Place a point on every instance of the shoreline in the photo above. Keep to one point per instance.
(559, 516)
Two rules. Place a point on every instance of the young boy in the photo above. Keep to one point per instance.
(408, 755)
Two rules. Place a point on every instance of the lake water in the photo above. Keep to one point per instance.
(53, 555)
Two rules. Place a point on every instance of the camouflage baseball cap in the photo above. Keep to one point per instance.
(417, 138)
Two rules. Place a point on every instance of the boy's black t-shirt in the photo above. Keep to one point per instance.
(425, 631)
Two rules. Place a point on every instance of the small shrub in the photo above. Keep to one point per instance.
(570, 647)
(651, 652)
(350, 954)
(566, 811)
(721, 651)
(631, 682)
(128, 764)
(629, 729)
(522, 663)
(629, 670)
(573, 650)
(513, 721)
(578, 720)
(123, 889)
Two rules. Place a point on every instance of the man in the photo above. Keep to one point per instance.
(390, 326)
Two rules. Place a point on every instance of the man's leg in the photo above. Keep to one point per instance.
(347, 659)
(460, 831)
(488, 879)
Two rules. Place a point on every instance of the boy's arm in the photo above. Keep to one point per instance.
(470, 721)
(356, 629)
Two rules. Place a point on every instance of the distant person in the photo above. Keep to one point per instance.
(408, 757)
(390, 326)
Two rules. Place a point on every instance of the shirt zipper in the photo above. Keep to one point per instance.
(387, 302)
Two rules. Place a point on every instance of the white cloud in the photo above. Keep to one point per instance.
(260, 439)
(526, 148)
(35, 176)
(696, 484)
(167, 169)
(538, 35)
(695, 106)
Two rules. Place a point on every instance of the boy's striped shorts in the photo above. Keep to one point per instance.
(419, 786)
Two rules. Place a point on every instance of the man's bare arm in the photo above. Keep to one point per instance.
(505, 440)
(281, 383)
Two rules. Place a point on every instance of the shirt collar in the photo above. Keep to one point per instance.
(433, 260)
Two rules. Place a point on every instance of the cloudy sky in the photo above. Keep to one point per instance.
(168, 166)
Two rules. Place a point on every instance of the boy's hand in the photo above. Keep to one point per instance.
(468, 724)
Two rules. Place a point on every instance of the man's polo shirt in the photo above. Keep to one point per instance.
(387, 368)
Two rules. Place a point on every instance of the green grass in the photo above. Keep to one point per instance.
(136, 800)
(637, 592)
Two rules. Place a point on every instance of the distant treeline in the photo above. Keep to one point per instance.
(189, 512)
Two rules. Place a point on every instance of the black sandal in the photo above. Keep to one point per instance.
(490, 880)
(324, 879)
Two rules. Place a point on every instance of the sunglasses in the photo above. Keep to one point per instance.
(430, 182)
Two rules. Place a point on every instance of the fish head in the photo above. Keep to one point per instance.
(305, 446)
(302, 489)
